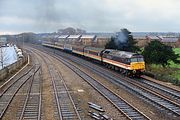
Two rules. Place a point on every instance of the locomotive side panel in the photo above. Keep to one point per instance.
(116, 61)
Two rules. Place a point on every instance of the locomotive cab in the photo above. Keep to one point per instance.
(137, 63)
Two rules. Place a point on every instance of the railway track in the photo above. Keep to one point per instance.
(11, 90)
(157, 100)
(160, 101)
(31, 108)
(123, 106)
(66, 109)
(8, 84)
(172, 94)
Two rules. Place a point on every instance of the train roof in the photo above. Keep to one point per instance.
(122, 54)
(80, 46)
(94, 49)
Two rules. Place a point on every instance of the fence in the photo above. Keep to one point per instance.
(6, 71)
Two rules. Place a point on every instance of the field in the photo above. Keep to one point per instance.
(177, 51)
(170, 72)
(176, 66)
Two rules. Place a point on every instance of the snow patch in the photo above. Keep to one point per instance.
(7, 56)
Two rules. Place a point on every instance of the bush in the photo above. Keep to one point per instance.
(167, 79)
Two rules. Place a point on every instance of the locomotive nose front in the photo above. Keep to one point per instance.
(138, 66)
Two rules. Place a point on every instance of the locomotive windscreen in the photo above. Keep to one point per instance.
(137, 58)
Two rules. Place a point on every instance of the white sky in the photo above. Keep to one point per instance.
(92, 15)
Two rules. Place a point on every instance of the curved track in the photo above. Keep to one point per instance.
(32, 104)
(171, 93)
(154, 98)
(123, 106)
(128, 110)
(66, 108)
(9, 92)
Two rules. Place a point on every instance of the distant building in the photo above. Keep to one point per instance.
(74, 39)
(141, 40)
(171, 41)
(101, 41)
(88, 40)
(167, 40)
(71, 40)
(150, 38)
(62, 38)
(3, 41)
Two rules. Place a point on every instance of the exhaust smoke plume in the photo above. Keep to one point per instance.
(46, 15)
(121, 38)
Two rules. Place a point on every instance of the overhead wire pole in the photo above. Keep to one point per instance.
(54, 40)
